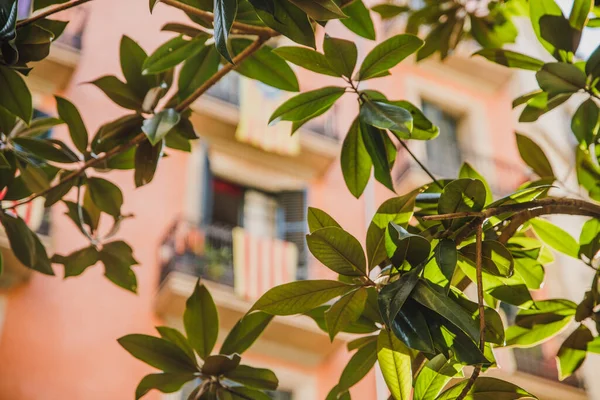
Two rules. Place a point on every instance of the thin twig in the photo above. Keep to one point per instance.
(423, 167)
(478, 262)
(50, 11)
(209, 17)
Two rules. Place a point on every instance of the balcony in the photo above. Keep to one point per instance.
(235, 281)
(226, 108)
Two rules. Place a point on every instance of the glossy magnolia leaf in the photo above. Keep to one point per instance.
(534, 156)
(225, 12)
(537, 9)
(592, 66)
(387, 116)
(387, 11)
(393, 295)
(398, 210)
(15, 96)
(299, 297)
(25, 244)
(341, 55)
(345, 311)
(306, 58)
(540, 104)
(555, 237)
(197, 69)
(338, 250)
(158, 353)
(320, 10)
(172, 53)
(511, 59)
(496, 258)
(106, 196)
(573, 351)
(589, 240)
(376, 142)
(165, 383)
(157, 127)
(258, 378)
(487, 388)
(388, 54)
(201, 321)
(36, 128)
(558, 78)
(434, 376)
(68, 113)
(146, 161)
(446, 257)
(585, 122)
(461, 195)
(402, 246)
(395, 363)
(494, 327)
(359, 365)
(241, 393)
(245, 332)
(359, 19)
(177, 338)
(355, 160)
(76, 263)
(447, 308)
(360, 342)
(423, 128)
(119, 92)
(117, 258)
(307, 104)
(290, 21)
(132, 61)
(361, 326)
(467, 171)
(51, 150)
(318, 219)
(220, 364)
(411, 327)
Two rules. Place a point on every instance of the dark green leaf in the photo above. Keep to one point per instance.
(589, 240)
(157, 127)
(374, 140)
(446, 257)
(15, 96)
(434, 376)
(403, 246)
(201, 321)
(387, 10)
(387, 116)
(585, 122)
(220, 364)
(341, 55)
(467, 171)
(538, 9)
(77, 262)
(345, 311)
(197, 69)
(158, 353)
(496, 258)
(359, 19)
(118, 92)
(487, 388)
(146, 160)
(50, 150)
(225, 12)
(117, 258)
(393, 295)
(306, 58)
(511, 59)
(132, 62)
(573, 351)
(290, 21)
(165, 383)
(359, 365)
(337, 250)
(68, 113)
(307, 104)
(245, 332)
(318, 219)
(557, 78)
(258, 378)
(461, 195)
(177, 338)
(355, 160)
(106, 196)
(388, 54)
(320, 10)
(172, 53)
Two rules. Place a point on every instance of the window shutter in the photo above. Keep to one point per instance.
(206, 196)
(292, 225)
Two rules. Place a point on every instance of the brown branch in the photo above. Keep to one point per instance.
(209, 17)
(51, 11)
(142, 136)
(478, 261)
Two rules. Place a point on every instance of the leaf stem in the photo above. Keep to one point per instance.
(49, 12)
(423, 167)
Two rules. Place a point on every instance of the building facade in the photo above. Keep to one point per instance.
(233, 212)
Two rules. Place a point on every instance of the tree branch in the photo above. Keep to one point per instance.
(209, 17)
(49, 12)
(423, 167)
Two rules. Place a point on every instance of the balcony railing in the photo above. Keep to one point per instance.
(532, 361)
(208, 252)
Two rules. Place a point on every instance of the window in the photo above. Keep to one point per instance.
(444, 155)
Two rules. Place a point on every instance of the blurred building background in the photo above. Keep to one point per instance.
(234, 213)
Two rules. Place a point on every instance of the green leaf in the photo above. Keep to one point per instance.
(403, 246)
(290, 21)
(555, 237)
(375, 141)
(359, 20)
(573, 351)
(306, 58)
(220, 364)
(387, 11)
(422, 128)
(538, 9)
(68, 113)
(384, 115)
(461, 195)
(355, 160)
(245, 332)
(320, 10)
(360, 342)
(592, 66)
(48, 149)
(177, 338)
(434, 376)
(345, 311)
(398, 210)
(395, 363)
(534, 156)
(158, 353)
(265, 67)
(157, 127)
(307, 104)
(197, 69)
(467, 171)
(359, 365)
(132, 61)
(117, 258)
(76, 263)
(388, 54)
(511, 59)
(15, 96)
(585, 122)
(146, 161)
(557, 78)
(258, 378)
(172, 53)
(487, 388)
(299, 297)
(318, 219)
(165, 383)
(589, 240)
(118, 92)
(411, 327)
(245, 393)
(496, 258)
(338, 250)
(106, 195)
(579, 13)
(225, 12)
(446, 308)
(201, 321)
(341, 55)
(393, 295)
(446, 257)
